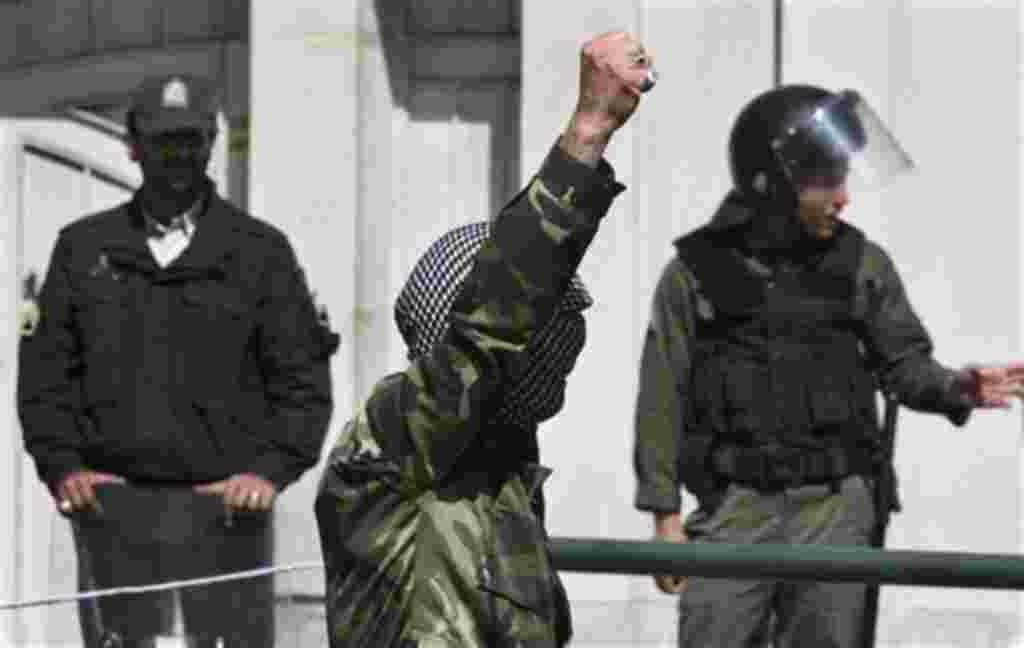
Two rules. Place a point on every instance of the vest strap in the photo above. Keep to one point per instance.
(782, 468)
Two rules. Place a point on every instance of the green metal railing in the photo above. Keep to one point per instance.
(791, 562)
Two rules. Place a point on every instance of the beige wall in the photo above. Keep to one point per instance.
(945, 76)
(416, 133)
(671, 155)
(955, 106)
(368, 137)
(304, 179)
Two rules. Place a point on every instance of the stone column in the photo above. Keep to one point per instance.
(303, 178)
(945, 77)
(672, 156)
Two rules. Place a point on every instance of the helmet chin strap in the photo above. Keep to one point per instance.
(775, 230)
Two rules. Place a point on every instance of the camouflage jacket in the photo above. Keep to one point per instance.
(420, 551)
(894, 338)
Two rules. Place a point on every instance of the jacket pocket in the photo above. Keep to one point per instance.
(218, 312)
(103, 306)
(517, 577)
(831, 409)
(220, 321)
(104, 318)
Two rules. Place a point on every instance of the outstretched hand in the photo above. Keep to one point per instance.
(993, 386)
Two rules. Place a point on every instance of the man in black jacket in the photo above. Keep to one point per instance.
(178, 349)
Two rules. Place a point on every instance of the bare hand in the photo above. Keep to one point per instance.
(993, 387)
(76, 491)
(668, 527)
(614, 70)
(243, 492)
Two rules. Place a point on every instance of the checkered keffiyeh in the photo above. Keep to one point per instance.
(421, 313)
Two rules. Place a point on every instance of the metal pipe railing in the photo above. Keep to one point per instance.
(747, 562)
(791, 562)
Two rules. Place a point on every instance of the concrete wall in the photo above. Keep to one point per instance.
(304, 178)
(92, 53)
(955, 107)
(415, 132)
(671, 155)
(945, 76)
(373, 129)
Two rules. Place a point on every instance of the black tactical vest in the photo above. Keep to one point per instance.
(780, 393)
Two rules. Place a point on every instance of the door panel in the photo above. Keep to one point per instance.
(53, 172)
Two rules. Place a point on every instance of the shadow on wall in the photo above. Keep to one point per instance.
(451, 61)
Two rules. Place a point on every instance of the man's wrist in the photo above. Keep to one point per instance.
(586, 139)
(667, 522)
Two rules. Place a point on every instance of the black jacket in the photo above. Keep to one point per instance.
(210, 367)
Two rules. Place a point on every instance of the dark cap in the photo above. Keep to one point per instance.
(176, 102)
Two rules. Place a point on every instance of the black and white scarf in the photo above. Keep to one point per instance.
(537, 392)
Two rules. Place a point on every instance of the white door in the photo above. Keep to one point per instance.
(51, 172)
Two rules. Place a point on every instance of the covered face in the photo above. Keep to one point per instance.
(537, 387)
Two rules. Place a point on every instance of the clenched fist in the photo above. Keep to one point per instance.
(668, 527)
(614, 70)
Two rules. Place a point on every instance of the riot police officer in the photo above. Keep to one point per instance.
(771, 329)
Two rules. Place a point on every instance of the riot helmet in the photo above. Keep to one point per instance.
(797, 134)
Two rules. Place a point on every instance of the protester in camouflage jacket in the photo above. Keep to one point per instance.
(424, 512)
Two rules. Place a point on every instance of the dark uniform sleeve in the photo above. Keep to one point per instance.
(429, 414)
(661, 400)
(49, 376)
(900, 344)
(294, 353)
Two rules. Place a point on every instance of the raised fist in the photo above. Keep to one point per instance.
(614, 70)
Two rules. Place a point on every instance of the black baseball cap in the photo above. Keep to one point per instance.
(175, 102)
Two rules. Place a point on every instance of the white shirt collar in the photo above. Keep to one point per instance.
(184, 223)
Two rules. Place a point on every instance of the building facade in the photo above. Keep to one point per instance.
(365, 128)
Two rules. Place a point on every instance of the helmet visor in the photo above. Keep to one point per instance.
(841, 140)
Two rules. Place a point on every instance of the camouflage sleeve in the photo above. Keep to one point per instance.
(427, 415)
(899, 344)
(661, 402)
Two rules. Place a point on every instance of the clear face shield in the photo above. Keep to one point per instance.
(842, 140)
